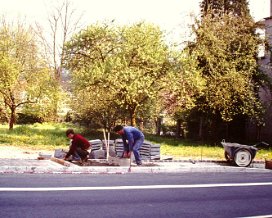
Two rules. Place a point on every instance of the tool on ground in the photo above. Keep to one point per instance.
(129, 169)
(60, 161)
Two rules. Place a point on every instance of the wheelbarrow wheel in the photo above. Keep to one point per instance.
(242, 157)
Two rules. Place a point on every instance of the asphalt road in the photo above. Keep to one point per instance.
(136, 195)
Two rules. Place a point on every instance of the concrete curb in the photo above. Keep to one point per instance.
(105, 170)
(50, 167)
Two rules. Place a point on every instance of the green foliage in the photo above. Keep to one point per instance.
(116, 70)
(51, 100)
(50, 136)
(184, 82)
(195, 152)
(226, 47)
(35, 136)
(221, 7)
(28, 119)
(23, 72)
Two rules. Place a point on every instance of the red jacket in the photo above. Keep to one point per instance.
(78, 141)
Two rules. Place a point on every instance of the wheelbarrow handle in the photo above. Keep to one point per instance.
(261, 143)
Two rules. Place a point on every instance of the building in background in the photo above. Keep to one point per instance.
(255, 131)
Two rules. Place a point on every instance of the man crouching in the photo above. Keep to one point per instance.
(79, 146)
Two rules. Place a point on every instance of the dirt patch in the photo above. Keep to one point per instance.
(104, 163)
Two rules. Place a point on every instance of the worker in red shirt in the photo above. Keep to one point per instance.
(79, 146)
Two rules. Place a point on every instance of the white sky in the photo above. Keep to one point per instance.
(171, 15)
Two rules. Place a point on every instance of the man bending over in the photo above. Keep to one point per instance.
(79, 146)
(133, 139)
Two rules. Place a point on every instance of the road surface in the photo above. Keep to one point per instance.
(136, 195)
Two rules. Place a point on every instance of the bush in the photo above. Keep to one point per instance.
(28, 119)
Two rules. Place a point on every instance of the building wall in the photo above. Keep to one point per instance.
(264, 133)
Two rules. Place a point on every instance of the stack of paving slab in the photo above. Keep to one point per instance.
(155, 151)
(60, 153)
(111, 144)
(148, 151)
(145, 150)
(119, 147)
(96, 144)
(97, 151)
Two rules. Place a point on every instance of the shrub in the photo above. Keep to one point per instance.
(28, 119)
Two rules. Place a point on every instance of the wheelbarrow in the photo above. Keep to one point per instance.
(241, 155)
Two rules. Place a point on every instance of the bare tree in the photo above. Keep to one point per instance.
(63, 21)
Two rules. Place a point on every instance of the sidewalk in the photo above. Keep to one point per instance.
(48, 166)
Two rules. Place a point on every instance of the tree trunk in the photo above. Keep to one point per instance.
(200, 132)
(258, 133)
(227, 131)
(141, 125)
(179, 133)
(12, 118)
(158, 126)
(133, 117)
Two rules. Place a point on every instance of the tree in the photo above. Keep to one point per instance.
(185, 82)
(123, 66)
(226, 46)
(63, 21)
(220, 7)
(95, 108)
(21, 69)
(146, 62)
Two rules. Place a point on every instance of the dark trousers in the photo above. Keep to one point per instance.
(82, 153)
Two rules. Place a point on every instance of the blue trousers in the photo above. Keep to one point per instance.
(135, 148)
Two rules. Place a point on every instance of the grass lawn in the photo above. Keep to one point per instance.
(52, 136)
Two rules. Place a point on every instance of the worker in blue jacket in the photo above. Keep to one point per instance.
(133, 139)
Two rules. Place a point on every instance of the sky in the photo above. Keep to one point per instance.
(173, 16)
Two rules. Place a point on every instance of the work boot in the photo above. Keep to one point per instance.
(85, 159)
(139, 163)
(80, 163)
